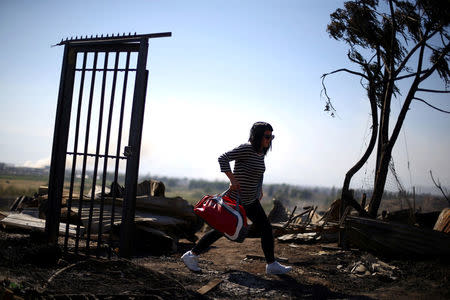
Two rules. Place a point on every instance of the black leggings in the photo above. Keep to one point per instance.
(256, 214)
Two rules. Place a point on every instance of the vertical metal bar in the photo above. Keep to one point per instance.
(86, 144)
(105, 162)
(127, 231)
(75, 151)
(119, 141)
(97, 151)
(59, 148)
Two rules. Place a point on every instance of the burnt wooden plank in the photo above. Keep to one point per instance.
(208, 287)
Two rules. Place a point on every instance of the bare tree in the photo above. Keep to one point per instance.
(401, 41)
(439, 186)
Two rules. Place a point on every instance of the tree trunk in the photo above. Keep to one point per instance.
(383, 135)
(383, 168)
(346, 195)
(380, 182)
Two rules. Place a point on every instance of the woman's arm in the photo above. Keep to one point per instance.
(240, 152)
(234, 184)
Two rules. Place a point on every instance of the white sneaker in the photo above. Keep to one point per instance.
(191, 261)
(276, 268)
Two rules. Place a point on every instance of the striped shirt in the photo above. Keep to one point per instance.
(249, 170)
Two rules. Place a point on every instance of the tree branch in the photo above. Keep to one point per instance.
(386, 66)
(329, 105)
(420, 63)
(373, 56)
(348, 71)
(355, 61)
(432, 91)
(438, 185)
(411, 93)
(413, 50)
(431, 48)
(393, 34)
(436, 108)
(433, 68)
(410, 75)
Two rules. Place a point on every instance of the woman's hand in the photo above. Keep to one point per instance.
(234, 184)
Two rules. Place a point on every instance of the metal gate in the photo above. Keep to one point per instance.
(89, 135)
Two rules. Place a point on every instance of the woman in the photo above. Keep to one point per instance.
(245, 181)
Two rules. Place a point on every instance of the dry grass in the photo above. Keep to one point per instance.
(10, 187)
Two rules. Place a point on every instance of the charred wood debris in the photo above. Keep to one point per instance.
(167, 220)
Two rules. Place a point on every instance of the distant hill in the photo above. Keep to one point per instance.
(8, 169)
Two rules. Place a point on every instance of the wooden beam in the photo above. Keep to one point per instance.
(208, 287)
(29, 222)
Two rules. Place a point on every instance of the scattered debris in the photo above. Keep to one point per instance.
(369, 265)
(395, 239)
(443, 221)
(262, 258)
(43, 190)
(23, 202)
(151, 187)
(147, 187)
(316, 274)
(60, 271)
(413, 235)
(307, 237)
(305, 227)
(278, 213)
(98, 192)
(332, 213)
(25, 221)
(211, 285)
(161, 221)
(408, 216)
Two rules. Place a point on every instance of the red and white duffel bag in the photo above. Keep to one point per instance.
(224, 214)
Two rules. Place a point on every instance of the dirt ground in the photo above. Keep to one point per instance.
(32, 270)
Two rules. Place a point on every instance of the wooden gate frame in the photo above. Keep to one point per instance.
(131, 43)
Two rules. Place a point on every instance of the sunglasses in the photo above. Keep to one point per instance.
(269, 136)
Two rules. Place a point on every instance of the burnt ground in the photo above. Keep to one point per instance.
(30, 269)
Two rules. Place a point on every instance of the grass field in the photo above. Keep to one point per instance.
(11, 187)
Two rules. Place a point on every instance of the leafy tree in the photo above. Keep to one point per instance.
(391, 41)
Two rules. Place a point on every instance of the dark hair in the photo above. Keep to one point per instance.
(256, 135)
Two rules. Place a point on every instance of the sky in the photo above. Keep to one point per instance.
(227, 65)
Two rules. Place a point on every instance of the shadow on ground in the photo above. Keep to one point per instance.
(284, 285)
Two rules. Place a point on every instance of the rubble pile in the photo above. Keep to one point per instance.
(369, 265)
(304, 227)
(160, 221)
